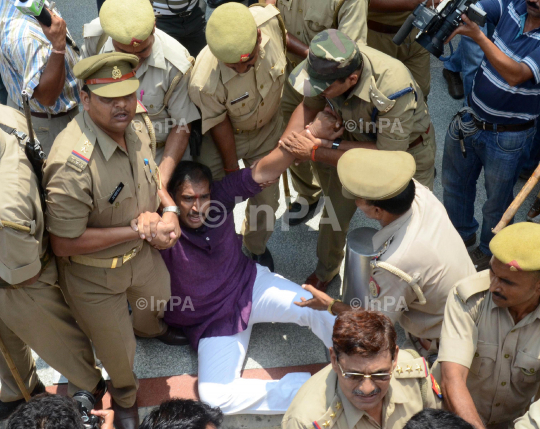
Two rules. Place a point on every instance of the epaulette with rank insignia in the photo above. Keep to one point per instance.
(80, 156)
(329, 419)
(379, 100)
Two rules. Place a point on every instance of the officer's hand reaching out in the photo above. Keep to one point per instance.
(326, 125)
(159, 232)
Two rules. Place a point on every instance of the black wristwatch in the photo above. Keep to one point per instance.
(335, 144)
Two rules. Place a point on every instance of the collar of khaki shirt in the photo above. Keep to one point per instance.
(106, 143)
(156, 58)
(227, 73)
(362, 88)
(395, 395)
(383, 235)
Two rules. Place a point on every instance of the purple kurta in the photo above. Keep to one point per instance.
(208, 266)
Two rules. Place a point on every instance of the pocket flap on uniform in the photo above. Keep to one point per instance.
(318, 20)
(484, 359)
(279, 67)
(104, 204)
(529, 365)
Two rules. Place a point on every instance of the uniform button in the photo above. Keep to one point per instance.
(346, 103)
(243, 104)
(298, 33)
(316, 23)
(139, 186)
(497, 404)
(262, 86)
(116, 205)
(151, 106)
(506, 356)
(260, 121)
(262, 103)
(531, 370)
(503, 383)
(300, 10)
(282, 70)
(207, 238)
(272, 67)
(476, 355)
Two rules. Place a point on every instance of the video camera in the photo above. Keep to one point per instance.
(86, 402)
(436, 25)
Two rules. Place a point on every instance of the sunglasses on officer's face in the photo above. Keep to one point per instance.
(357, 377)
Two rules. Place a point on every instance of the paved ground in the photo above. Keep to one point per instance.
(273, 345)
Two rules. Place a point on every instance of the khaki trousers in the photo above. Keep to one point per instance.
(37, 316)
(302, 176)
(410, 53)
(338, 210)
(261, 209)
(46, 130)
(99, 297)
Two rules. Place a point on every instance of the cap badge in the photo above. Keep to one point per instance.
(514, 266)
(135, 42)
(116, 73)
(244, 58)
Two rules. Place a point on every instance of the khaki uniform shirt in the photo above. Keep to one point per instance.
(320, 403)
(20, 252)
(214, 87)
(503, 358)
(399, 122)
(305, 19)
(389, 18)
(83, 170)
(423, 243)
(167, 60)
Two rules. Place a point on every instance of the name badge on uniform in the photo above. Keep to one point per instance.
(242, 97)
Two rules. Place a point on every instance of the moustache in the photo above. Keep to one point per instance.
(357, 392)
(497, 294)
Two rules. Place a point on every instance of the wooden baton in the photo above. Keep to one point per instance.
(286, 188)
(14, 371)
(518, 201)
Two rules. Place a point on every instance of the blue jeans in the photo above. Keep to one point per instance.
(465, 60)
(534, 159)
(502, 156)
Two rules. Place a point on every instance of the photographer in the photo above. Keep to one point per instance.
(54, 412)
(183, 414)
(36, 58)
(498, 127)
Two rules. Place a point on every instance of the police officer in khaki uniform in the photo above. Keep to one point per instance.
(163, 73)
(237, 83)
(381, 107)
(384, 20)
(489, 353)
(33, 312)
(364, 388)
(303, 21)
(420, 254)
(102, 183)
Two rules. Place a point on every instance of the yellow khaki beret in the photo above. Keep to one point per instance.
(129, 22)
(518, 246)
(231, 33)
(109, 75)
(375, 174)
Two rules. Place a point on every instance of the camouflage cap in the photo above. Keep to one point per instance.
(332, 55)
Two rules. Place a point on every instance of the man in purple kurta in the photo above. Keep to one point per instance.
(220, 293)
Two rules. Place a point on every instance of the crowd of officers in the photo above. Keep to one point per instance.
(244, 100)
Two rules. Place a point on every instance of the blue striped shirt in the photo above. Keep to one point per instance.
(24, 52)
(492, 97)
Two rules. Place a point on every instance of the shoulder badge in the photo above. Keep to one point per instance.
(374, 288)
(331, 416)
(436, 388)
(379, 100)
(472, 285)
(414, 368)
(80, 156)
